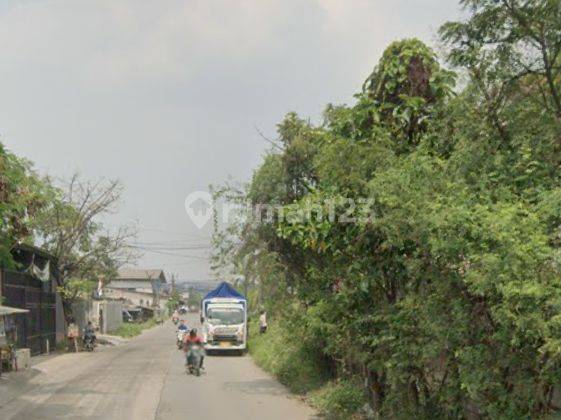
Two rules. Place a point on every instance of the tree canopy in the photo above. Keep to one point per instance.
(438, 281)
(63, 218)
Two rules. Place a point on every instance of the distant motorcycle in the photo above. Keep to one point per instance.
(89, 343)
(180, 336)
(194, 357)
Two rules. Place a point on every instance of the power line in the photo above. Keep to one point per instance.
(169, 253)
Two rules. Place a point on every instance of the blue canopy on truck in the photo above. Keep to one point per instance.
(224, 290)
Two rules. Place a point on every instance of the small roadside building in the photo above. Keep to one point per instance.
(138, 287)
(8, 335)
(8, 330)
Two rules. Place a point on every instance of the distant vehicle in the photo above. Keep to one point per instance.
(224, 320)
(127, 317)
(89, 343)
(180, 337)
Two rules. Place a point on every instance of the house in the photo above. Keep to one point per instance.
(33, 286)
(139, 287)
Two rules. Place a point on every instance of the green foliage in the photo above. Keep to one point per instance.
(290, 354)
(74, 289)
(194, 299)
(173, 301)
(442, 296)
(23, 197)
(408, 75)
(341, 399)
(65, 224)
(405, 90)
(132, 329)
(83, 249)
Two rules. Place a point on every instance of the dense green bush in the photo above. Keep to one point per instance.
(443, 294)
(291, 357)
(341, 399)
(132, 329)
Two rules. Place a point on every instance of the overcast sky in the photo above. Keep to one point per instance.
(164, 95)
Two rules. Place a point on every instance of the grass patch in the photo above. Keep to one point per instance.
(293, 361)
(133, 329)
(297, 361)
(341, 399)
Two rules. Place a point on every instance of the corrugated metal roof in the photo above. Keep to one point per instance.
(129, 284)
(8, 310)
(141, 274)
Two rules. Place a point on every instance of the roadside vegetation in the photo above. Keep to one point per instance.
(435, 292)
(63, 217)
(300, 365)
(132, 329)
(304, 369)
(340, 399)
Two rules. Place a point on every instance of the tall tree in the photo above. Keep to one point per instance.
(506, 40)
(443, 297)
(85, 250)
(23, 196)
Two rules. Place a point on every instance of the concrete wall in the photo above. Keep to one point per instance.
(82, 312)
(137, 298)
(105, 315)
(112, 315)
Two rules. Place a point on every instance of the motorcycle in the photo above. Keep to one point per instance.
(89, 343)
(194, 357)
(180, 337)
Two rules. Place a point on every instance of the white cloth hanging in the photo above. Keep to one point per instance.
(42, 274)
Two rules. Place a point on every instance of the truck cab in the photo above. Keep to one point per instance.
(224, 320)
(224, 326)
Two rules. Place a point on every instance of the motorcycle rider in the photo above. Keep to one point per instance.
(89, 332)
(189, 340)
(175, 316)
(182, 331)
(182, 326)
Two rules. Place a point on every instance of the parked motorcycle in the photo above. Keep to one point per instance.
(180, 337)
(194, 357)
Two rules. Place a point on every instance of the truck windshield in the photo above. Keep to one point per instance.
(225, 316)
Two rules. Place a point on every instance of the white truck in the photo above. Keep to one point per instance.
(224, 320)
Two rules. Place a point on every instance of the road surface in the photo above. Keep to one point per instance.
(145, 379)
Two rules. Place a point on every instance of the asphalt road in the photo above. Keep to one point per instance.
(146, 379)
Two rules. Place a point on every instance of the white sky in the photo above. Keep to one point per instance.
(164, 95)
